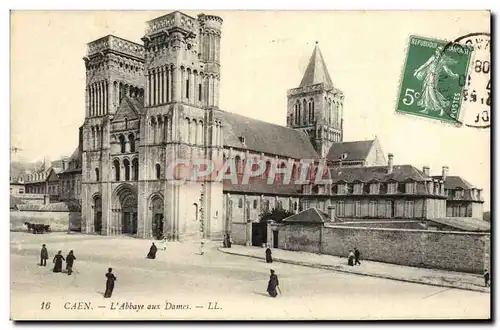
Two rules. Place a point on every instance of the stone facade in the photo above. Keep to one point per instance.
(147, 106)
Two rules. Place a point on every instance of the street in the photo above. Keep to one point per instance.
(181, 284)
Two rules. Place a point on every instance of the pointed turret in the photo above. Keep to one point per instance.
(316, 72)
(316, 107)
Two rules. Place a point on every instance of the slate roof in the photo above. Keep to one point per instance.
(261, 136)
(454, 182)
(316, 72)
(467, 224)
(399, 173)
(261, 187)
(129, 108)
(354, 150)
(311, 215)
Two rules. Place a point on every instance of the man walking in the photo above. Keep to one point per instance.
(44, 255)
(486, 278)
(357, 254)
(70, 259)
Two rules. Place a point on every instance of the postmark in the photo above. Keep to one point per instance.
(431, 84)
(476, 102)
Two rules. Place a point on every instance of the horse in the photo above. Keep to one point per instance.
(37, 228)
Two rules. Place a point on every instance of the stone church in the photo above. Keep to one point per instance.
(152, 103)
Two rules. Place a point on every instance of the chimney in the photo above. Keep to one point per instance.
(426, 170)
(331, 213)
(445, 172)
(390, 163)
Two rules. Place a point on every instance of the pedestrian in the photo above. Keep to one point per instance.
(202, 244)
(486, 278)
(350, 258)
(44, 255)
(269, 257)
(110, 283)
(164, 241)
(357, 254)
(152, 252)
(229, 241)
(58, 259)
(273, 284)
(70, 259)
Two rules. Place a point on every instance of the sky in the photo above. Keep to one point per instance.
(263, 54)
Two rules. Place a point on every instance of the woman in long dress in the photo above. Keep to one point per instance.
(269, 256)
(431, 99)
(152, 252)
(110, 283)
(273, 284)
(58, 259)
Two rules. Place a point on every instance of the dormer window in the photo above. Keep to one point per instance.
(242, 139)
(343, 156)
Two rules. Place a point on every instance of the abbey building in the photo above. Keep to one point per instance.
(151, 103)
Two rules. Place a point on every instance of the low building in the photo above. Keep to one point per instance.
(463, 198)
(70, 178)
(17, 186)
(378, 192)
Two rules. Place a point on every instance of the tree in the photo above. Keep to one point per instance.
(277, 214)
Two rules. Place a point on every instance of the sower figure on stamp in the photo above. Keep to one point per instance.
(152, 252)
(58, 259)
(431, 99)
(110, 283)
(269, 256)
(350, 258)
(70, 259)
(44, 255)
(486, 278)
(273, 284)
(357, 255)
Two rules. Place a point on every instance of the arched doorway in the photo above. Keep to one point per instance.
(97, 214)
(125, 202)
(157, 217)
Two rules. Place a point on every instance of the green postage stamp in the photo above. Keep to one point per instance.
(434, 75)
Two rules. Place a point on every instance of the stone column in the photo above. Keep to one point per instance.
(160, 86)
(165, 84)
(246, 206)
(146, 91)
(270, 236)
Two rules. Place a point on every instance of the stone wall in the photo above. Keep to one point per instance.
(239, 233)
(58, 221)
(456, 251)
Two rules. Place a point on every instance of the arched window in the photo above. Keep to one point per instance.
(240, 203)
(199, 92)
(291, 119)
(116, 165)
(304, 103)
(299, 116)
(237, 161)
(126, 164)
(135, 169)
(97, 174)
(131, 139)
(311, 110)
(268, 169)
(158, 171)
(126, 123)
(123, 143)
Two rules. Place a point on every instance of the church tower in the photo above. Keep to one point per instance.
(114, 69)
(316, 106)
(182, 89)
